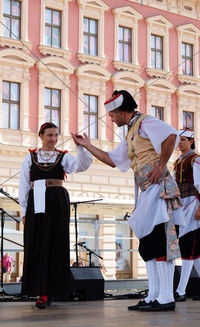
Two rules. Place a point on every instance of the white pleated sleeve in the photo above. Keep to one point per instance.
(81, 162)
(157, 131)
(24, 183)
(120, 157)
(196, 173)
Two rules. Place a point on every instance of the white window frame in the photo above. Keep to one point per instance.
(127, 17)
(92, 81)
(158, 93)
(93, 9)
(189, 100)
(189, 34)
(63, 70)
(12, 43)
(62, 6)
(158, 25)
(14, 67)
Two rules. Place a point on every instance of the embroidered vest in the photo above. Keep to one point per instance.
(140, 150)
(184, 175)
(52, 171)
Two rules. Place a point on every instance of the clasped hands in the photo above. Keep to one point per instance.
(81, 139)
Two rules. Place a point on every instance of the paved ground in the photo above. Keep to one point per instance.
(106, 313)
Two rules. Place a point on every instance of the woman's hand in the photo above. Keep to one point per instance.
(23, 220)
(197, 214)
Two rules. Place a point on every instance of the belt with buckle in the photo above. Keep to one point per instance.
(50, 182)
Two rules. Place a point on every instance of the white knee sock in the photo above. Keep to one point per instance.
(185, 275)
(166, 279)
(153, 280)
(197, 266)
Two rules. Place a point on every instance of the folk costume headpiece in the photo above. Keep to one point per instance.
(45, 126)
(189, 134)
(121, 100)
(186, 133)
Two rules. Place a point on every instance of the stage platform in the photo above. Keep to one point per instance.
(105, 313)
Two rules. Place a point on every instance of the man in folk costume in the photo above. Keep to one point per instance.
(146, 149)
(187, 174)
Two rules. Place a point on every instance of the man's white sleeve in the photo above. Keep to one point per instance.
(120, 157)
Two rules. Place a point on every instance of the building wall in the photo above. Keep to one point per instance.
(29, 63)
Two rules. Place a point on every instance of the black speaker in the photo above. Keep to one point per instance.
(87, 283)
(193, 286)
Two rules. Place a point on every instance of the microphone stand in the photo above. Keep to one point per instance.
(90, 252)
(3, 212)
(76, 229)
(8, 196)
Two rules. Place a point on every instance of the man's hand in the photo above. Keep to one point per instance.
(81, 140)
(23, 220)
(197, 214)
(167, 148)
(155, 175)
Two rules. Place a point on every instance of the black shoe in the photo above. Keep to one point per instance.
(138, 306)
(41, 303)
(156, 306)
(49, 301)
(180, 298)
(196, 298)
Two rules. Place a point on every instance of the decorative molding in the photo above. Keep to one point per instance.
(46, 50)
(187, 8)
(153, 72)
(120, 65)
(11, 43)
(188, 79)
(88, 59)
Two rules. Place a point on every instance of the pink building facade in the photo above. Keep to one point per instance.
(60, 60)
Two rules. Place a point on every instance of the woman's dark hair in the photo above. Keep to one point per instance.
(193, 144)
(128, 103)
(45, 126)
(190, 138)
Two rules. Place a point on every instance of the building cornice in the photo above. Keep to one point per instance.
(187, 8)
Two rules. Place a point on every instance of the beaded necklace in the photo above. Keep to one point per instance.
(46, 154)
(46, 166)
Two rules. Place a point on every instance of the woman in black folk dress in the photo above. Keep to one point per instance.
(46, 213)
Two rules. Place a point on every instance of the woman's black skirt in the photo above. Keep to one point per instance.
(46, 245)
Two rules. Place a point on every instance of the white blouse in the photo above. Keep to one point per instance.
(70, 164)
